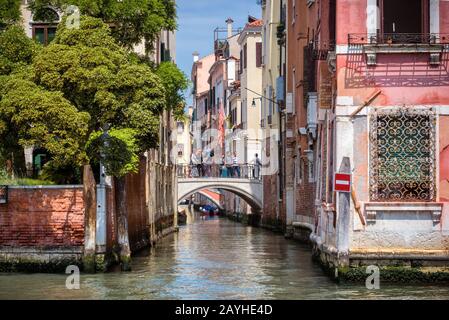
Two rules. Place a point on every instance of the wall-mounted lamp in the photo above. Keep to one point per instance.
(254, 102)
(261, 97)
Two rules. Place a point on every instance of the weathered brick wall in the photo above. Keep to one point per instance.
(305, 197)
(270, 196)
(139, 235)
(43, 217)
(53, 216)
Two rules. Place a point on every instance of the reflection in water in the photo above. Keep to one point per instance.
(212, 259)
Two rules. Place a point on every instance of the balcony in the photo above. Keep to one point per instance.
(392, 43)
(398, 39)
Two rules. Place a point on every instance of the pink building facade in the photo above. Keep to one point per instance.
(388, 127)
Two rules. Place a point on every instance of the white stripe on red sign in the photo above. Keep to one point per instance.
(344, 182)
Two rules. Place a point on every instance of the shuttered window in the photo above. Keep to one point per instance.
(245, 56)
(259, 54)
(241, 62)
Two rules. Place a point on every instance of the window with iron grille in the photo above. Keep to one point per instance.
(402, 155)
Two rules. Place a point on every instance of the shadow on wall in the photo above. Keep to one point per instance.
(395, 70)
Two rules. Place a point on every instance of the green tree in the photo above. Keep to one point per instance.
(16, 49)
(43, 118)
(101, 78)
(16, 54)
(118, 149)
(175, 83)
(98, 77)
(132, 20)
(31, 116)
(9, 12)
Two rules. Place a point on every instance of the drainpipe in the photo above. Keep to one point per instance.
(281, 140)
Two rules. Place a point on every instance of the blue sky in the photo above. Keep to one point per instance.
(197, 20)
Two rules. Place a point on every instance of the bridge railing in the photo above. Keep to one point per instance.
(245, 171)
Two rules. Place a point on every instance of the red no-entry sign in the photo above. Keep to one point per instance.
(342, 182)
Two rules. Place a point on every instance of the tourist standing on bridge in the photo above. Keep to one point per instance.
(257, 164)
(195, 160)
(235, 165)
(207, 163)
(223, 170)
(228, 162)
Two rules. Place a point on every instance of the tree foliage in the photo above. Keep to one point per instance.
(80, 83)
(132, 20)
(16, 49)
(175, 83)
(118, 149)
(16, 54)
(9, 12)
(99, 77)
(36, 117)
(61, 96)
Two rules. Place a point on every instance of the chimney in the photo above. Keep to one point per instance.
(196, 56)
(229, 22)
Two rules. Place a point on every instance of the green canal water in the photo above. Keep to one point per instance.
(213, 259)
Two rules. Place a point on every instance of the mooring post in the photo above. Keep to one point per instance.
(343, 218)
(90, 220)
(122, 223)
(101, 236)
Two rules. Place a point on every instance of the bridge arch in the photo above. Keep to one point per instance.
(208, 196)
(248, 190)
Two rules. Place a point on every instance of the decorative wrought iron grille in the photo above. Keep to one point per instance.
(398, 38)
(402, 152)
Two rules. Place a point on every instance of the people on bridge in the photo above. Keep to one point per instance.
(256, 166)
(207, 163)
(223, 168)
(196, 162)
(228, 163)
(235, 166)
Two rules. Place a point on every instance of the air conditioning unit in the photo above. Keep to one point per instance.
(312, 113)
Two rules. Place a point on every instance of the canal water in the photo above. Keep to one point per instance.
(213, 259)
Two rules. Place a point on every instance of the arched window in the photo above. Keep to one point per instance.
(44, 24)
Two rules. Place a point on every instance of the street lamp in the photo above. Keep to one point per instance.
(261, 97)
(254, 101)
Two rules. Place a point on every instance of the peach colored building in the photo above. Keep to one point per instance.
(201, 98)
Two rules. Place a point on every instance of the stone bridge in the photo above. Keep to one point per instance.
(249, 190)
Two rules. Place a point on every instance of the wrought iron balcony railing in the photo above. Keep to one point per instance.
(319, 50)
(397, 38)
